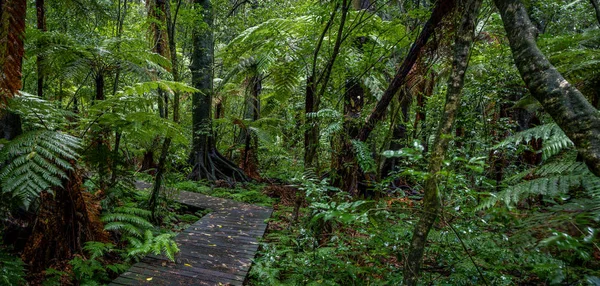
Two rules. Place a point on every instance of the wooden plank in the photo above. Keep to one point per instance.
(181, 272)
(194, 268)
(218, 249)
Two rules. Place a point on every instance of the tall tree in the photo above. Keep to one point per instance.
(566, 104)
(431, 200)
(207, 162)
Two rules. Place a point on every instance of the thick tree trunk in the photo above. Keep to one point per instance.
(207, 162)
(66, 219)
(431, 200)
(568, 107)
(12, 33)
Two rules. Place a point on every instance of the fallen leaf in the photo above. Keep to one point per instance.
(149, 279)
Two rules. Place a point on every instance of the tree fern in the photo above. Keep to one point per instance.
(36, 162)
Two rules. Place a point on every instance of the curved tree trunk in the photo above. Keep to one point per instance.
(207, 162)
(568, 107)
(431, 200)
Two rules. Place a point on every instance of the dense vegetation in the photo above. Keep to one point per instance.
(402, 141)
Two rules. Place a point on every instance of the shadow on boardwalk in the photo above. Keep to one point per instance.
(216, 250)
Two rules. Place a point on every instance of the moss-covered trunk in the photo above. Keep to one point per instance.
(431, 200)
(568, 107)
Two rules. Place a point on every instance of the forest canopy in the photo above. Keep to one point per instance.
(415, 142)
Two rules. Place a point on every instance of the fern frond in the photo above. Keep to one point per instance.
(37, 162)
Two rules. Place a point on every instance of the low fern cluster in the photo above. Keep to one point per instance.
(12, 270)
(133, 226)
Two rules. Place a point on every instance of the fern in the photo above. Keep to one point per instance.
(363, 156)
(555, 140)
(37, 161)
(129, 220)
(12, 270)
(552, 179)
(156, 245)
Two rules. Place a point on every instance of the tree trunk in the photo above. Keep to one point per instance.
(347, 173)
(311, 133)
(207, 162)
(249, 156)
(596, 5)
(12, 33)
(568, 107)
(162, 15)
(41, 25)
(431, 200)
(314, 93)
(66, 219)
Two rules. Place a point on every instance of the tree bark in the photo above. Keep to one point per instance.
(568, 107)
(12, 33)
(207, 162)
(431, 200)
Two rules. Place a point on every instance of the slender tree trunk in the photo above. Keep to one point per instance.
(207, 162)
(160, 12)
(249, 156)
(41, 25)
(122, 13)
(568, 107)
(311, 133)
(596, 5)
(314, 93)
(431, 200)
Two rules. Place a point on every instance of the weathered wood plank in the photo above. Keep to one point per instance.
(216, 250)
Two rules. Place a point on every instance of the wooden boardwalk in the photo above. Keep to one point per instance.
(216, 250)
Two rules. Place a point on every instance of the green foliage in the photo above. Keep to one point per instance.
(135, 228)
(94, 270)
(12, 269)
(149, 243)
(555, 140)
(37, 161)
(129, 220)
(363, 156)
